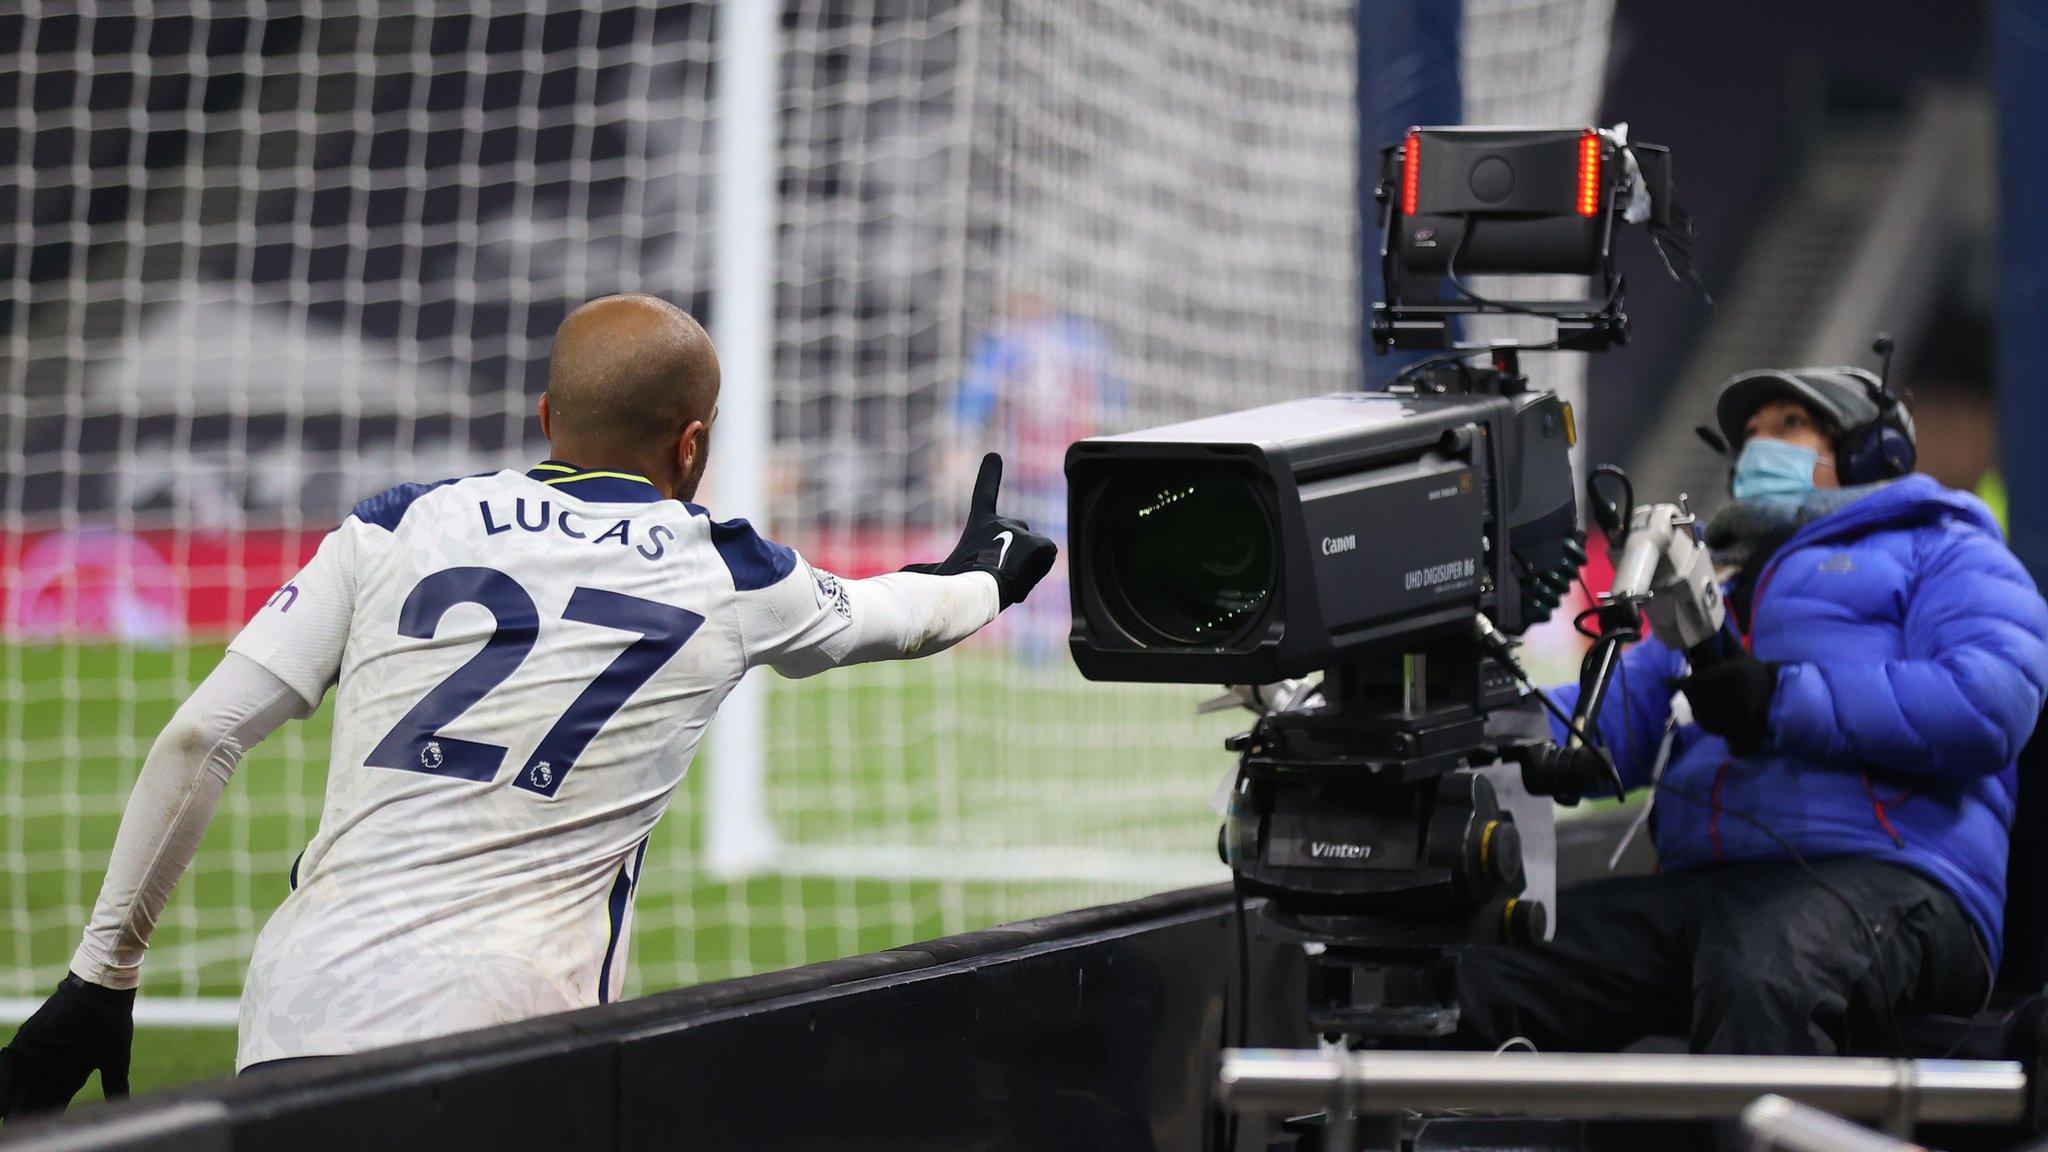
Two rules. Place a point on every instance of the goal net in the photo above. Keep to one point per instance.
(264, 260)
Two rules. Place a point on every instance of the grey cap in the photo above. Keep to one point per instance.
(1844, 396)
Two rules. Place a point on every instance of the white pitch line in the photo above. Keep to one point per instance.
(909, 862)
(150, 1011)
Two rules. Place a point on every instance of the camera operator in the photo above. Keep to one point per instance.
(1832, 812)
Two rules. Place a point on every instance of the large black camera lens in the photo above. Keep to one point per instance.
(1189, 553)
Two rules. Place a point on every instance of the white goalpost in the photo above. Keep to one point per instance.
(265, 260)
(739, 836)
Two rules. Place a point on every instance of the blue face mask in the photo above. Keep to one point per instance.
(1774, 470)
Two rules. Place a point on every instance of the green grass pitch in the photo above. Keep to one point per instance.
(970, 748)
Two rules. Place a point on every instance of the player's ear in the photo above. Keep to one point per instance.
(545, 433)
(690, 448)
(693, 452)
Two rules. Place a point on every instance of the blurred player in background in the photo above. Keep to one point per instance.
(1036, 381)
(525, 662)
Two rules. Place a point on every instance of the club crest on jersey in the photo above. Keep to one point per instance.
(430, 756)
(832, 594)
(542, 775)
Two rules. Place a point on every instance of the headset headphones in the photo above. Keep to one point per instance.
(1875, 437)
(1883, 448)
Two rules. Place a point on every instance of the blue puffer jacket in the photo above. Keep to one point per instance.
(1913, 653)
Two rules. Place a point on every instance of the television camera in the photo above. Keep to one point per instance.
(1394, 542)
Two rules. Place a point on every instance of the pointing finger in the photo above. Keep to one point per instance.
(983, 506)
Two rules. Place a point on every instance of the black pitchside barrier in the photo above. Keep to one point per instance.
(1096, 1029)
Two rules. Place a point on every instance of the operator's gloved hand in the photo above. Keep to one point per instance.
(1732, 700)
(1002, 546)
(80, 1029)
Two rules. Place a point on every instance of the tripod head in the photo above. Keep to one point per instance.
(1373, 824)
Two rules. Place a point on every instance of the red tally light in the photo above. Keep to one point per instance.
(1411, 172)
(1589, 173)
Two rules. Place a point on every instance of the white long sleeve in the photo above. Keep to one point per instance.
(905, 614)
(811, 620)
(237, 705)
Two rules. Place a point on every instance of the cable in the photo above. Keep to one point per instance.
(1571, 726)
(1623, 514)
(1869, 932)
(1627, 729)
(1990, 988)
(1610, 470)
(1620, 667)
(1451, 274)
(1983, 1005)
(1505, 659)
(1878, 968)
(1412, 370)
(1877, 964)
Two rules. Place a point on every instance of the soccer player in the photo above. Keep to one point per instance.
(523, 663)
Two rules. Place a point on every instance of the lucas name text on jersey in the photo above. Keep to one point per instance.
(543, 516)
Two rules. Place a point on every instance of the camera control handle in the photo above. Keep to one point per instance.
(1665, 567)
(1563, 774)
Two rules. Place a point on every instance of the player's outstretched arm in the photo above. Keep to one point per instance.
(87, 1025)
(812, 620)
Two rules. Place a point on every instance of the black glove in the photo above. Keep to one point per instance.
(1002, 546)
(1732, 700)
(81, 1028)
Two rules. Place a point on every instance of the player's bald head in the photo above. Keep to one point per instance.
(627, 375)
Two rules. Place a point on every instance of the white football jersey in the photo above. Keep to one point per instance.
(525, 665)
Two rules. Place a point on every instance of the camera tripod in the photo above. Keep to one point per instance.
(1374, 828)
